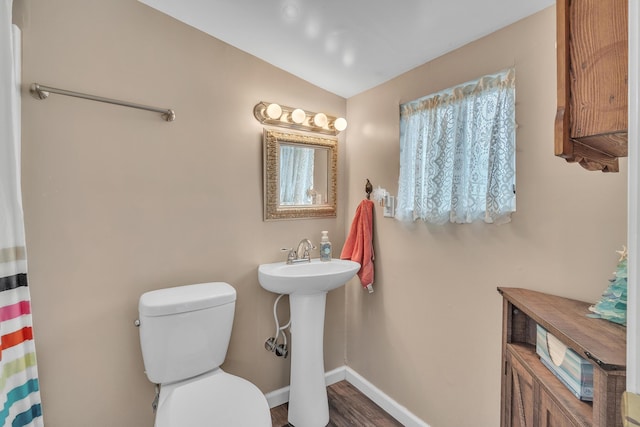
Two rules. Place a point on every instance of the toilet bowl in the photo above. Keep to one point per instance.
(184, 336)
(216, 397)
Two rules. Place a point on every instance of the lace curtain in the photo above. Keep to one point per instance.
(296, 175)
(457, 153)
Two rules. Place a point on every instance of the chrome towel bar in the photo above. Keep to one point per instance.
(39, 91)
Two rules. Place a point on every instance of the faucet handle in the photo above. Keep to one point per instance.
(307, 249)
(291, 256)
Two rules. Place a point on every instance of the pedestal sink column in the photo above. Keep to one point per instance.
(307, 284)
(308, 404)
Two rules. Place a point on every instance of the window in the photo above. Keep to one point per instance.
(457, 153)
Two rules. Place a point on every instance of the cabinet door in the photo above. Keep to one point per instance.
(520, 399)
(550, 415)
(591, 120)
(598, 40)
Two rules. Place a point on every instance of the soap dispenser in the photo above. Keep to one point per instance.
(325, 247)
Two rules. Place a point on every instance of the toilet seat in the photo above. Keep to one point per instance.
(212, 399)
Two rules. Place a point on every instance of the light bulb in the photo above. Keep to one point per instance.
(320, 120)
(340, 124)
(274, 111)
(298, 115)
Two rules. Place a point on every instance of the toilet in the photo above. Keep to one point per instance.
(184, 336)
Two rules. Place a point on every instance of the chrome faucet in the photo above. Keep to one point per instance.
(304, 247)
(302, 253)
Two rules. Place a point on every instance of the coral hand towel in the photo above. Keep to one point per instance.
(359, 244)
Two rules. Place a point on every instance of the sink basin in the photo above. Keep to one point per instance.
(306, 277)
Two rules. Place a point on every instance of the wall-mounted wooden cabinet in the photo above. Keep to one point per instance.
(591, 120)
(532, 396)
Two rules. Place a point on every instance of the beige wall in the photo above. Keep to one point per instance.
(430, 334)
(118, 202)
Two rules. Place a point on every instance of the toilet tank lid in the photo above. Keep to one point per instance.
(181, 299)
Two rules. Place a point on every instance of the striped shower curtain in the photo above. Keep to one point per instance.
(19, 388)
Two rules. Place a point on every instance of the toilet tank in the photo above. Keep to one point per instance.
(185, 330)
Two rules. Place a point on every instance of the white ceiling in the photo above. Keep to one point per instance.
(348, 46)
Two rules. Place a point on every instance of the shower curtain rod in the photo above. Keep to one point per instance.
(42, 92)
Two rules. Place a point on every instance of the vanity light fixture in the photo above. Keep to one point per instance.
(298, 115)
(297, 118)
(274, 111)
(320, 120)
(340, 124)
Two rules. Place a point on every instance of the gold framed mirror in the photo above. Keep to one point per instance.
(300, 175)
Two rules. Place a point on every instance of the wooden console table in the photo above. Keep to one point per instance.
(531, 395)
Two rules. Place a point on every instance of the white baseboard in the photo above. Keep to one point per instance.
(393, 408)
(280, 396)
(277, 397)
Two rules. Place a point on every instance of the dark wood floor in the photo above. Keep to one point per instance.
(347, 407)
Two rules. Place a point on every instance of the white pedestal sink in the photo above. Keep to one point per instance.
(307, 285)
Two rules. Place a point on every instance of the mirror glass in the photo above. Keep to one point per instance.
(299, 175)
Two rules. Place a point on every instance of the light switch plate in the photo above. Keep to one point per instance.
(389, 206)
